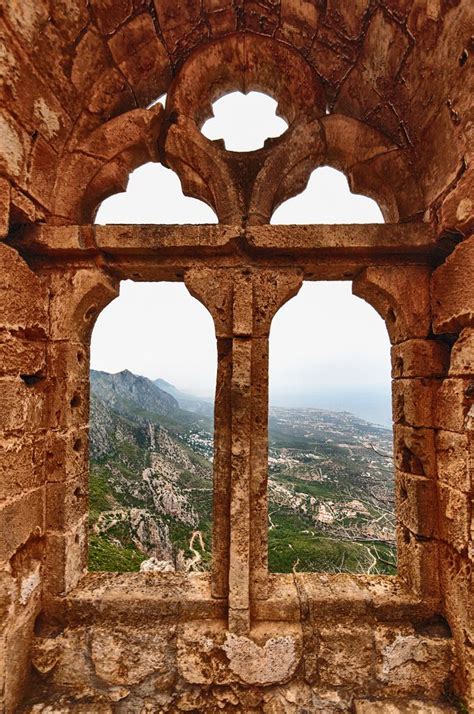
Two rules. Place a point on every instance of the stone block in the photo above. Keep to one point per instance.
(272, 655)
(23, 300)
(42, 172)
(332, 596)
(128, 655)
(298, 22)
(417, 503)
(68, 403)
(199, 654)
(20, 519)
(392, 292)
(78, 298)
(21, 404)
(112, 96)
(346, 655)
(41, 113)
(457, 209)
(90, 53)
(66, 502)
(414, 400)
(65, 659)
(409, 664)
(349, 20)
(452, 290)
(67, 454)
(456, 577)
(209, 654)
(222, 22)
(66, 558)
(454, 517)
(454, 399)
(7, 599)
(350, 141)
(142, 58)
(177, 20)
(462, 355)
(444, 171)
(17, 646)
(415, 450)
(110, 14)
(389, 180)
(20, 356)
(70, 17)
(21, 465)
(418, 563)
(420, 358)
(453, 455)
(282, 604)
(22, 209)
(260, 18)
(15, 148)
(26, 568)
(68, 360)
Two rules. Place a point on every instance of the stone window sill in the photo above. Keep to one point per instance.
(176, 597)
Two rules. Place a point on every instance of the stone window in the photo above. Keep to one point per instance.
(150, 487)
(244, 121)
(331, 480)
(378, 92)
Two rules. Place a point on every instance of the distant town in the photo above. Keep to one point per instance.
(331, 502)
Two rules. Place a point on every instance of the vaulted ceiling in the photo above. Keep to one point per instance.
(401, 67)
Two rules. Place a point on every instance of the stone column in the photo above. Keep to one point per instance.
(401, 295)
(77, 295)
(242, 303)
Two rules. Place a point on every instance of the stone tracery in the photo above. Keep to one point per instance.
(74, 127)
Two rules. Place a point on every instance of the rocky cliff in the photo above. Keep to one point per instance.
(330, 483)
(150, 490)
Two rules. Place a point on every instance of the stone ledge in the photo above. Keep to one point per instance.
(176, 597)
(138, 597)
(416, 239)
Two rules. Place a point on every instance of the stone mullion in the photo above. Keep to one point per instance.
(241, 474)
(248, 505)
(242, 302)
(259, 471)
(222, 472)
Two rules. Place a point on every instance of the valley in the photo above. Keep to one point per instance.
(151, 447)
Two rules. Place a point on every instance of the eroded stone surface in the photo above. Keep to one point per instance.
(74, 122)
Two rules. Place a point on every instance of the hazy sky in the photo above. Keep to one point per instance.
(327, 346)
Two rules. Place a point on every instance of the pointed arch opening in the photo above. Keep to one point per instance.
(151, 432)
(153, 195)
(331, 482)
(327, 198)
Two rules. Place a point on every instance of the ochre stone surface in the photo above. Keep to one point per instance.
(379, 90)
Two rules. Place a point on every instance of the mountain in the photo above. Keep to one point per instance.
(186, 401)
(151, 476)
(330, 483)
(124, 392)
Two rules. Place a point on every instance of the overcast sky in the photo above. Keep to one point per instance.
(327, 346)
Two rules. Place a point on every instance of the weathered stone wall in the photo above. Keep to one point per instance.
(23, 335)
(453, 313)
(323, 642)
(395, 77)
